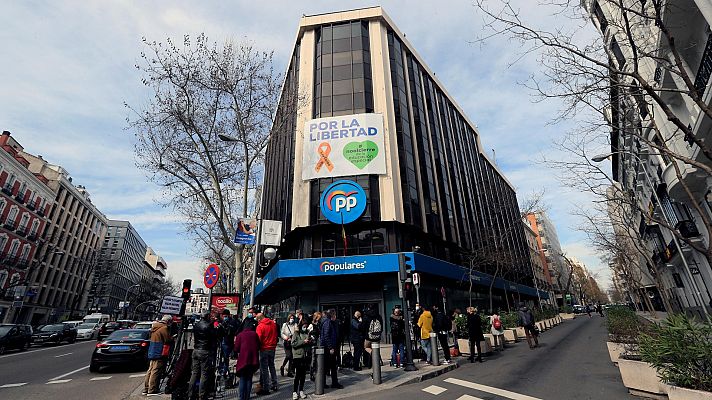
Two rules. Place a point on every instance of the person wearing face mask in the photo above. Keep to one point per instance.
(301, 346)
(249, 321)
(288, 329)
(416, 330)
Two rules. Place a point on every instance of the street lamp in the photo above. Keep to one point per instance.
(602, 157)
(126, 295)
(228, 138)
(270, 253)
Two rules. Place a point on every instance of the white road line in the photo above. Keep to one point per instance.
(101, 378)
(52, 382)
(490, 389)
(137, 376)
(435, 390)
(68, 373)
(468, 397)
(62, 355)
(11, 385)
(38, 350)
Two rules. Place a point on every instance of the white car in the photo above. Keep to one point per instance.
(87, 331)
(143, 325)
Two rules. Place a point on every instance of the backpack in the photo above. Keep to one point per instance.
(347, 360)
(374, 330)
(497, 324)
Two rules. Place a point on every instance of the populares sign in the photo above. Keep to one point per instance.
(343, 146)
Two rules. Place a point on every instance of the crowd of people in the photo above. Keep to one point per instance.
(253, 341)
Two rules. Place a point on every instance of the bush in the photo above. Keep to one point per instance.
(510, 320)
(680, 349)
(567, 310)
(461, 326)
(624, 326)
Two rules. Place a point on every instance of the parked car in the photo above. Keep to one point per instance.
(87, 331)
(73, 324)
(56, 333)
(126, 347)
(579, 309)
(13, 336)
(96, 318)
(127, 323)
(143, 325)
(107, 328)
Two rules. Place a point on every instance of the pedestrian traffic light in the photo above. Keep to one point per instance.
(405, 266)
(186, 289)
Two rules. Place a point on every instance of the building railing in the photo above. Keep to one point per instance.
(20, 197)
(22, 230)
(10, 225)
(7, 190)
(705, 69)
(31, 206)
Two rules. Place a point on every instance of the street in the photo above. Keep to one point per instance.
(62, 372)
(571, 363)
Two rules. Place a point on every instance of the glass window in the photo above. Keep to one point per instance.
(343, 102)
(341, 45)
(358, 71)
(326, 89)
(326, 33)
(342, 87)
(341, 32)
(358, 85)
(342, 72)
(343, 58)
(359, 100)
(355, 29)
(326, 74)
(357, 56)
(326, 60)
(326, 48)
(326, 104)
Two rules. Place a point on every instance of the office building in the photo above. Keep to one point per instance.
(556, 269)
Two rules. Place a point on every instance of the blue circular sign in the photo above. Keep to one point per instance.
(343, 202)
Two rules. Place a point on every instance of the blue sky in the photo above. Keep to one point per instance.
(68, 69)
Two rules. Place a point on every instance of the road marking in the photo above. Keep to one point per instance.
(62, 355)
(468, 397)
(101, 378)
(52, 382)
(490, 389)
(38, 350)
(10, 385)
(436, 390)
(137, 376)
(68, 373)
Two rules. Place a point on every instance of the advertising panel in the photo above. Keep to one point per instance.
(228, 301)
(343, 146)
(246, 232)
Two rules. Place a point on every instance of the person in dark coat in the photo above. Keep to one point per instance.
(397, 338)
(526, 321)
(475, 334)
(441, 326)
(356, 337)
(329, 338)
(204, 348)
(247, 350)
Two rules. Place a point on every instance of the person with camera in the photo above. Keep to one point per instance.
(302, 342)
(227, 329)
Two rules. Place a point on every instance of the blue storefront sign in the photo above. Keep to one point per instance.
(343, 202)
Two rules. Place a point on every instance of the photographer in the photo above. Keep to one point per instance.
(302, 341)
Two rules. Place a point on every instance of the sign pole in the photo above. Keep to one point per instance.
(255, 257)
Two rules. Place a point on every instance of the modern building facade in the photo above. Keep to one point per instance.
(71, 245)
(556, 269)
(119, 271)
(538, 260)
(152, 287)
(672, 224)
(413, 169)
(25, 203)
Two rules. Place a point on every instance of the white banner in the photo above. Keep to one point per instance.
(271, 232)
(343, 146)
(171, 305)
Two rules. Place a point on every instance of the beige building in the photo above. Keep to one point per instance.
(538, 270)
(74, 236)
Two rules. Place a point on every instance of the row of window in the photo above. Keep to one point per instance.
(11, 221)
(9, 181)
(13, 251)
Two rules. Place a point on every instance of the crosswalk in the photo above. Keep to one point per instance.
(59, 381)
(439, 391)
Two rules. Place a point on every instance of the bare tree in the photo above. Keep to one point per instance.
(638, 85)
(202, 91)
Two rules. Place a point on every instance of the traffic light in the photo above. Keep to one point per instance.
(405, 266)
(185, 294)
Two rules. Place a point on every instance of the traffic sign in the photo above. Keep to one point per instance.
(416, 279)
(211, 276)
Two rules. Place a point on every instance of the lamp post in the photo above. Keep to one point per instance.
(126, 295)
(696, 294)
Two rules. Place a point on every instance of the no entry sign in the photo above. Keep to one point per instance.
(211, 277)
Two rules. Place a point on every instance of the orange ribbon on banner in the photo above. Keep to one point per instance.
(324, 149)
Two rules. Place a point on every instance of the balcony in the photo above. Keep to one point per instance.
(40, 212)
(7, 190)
(705, 69)
(20, 197)
(10, 260)
(9, 225)
(687, 229)
(31, 206)
(22, 231)
(22, 264)
(32, 237)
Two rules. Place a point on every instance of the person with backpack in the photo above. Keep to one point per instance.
(287, 331)
(247, 349)
(158, 351)
(374, 330)
(441, 326)
(397, 338)
(356, 337)
(497, 331)
(526, 321)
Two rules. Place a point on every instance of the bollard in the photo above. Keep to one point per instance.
(376, 362)
(434, 348)
(320, 379)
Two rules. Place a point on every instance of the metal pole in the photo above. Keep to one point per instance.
(408, 362)
(434, 348)
(320, 380)
(376, 362)
(255, 256)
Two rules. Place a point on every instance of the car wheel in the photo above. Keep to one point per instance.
(25, 346)
(72, 340)
(93, 367)
(2, 349)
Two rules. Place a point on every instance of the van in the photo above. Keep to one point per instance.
(96, 318)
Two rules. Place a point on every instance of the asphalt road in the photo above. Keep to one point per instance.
(572, 362)
(62, 372)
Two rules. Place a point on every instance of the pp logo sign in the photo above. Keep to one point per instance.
(343, 202)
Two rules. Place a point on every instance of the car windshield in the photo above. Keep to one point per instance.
(86, 326)
(4, 330)
(52, 328)
(91, 321)
(129, 334)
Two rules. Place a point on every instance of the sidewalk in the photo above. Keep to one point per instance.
(659, 317)
(356, 383)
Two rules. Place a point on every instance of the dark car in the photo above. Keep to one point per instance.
(107, 328)
(15, 337)
(126, 347)
(56, 333)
